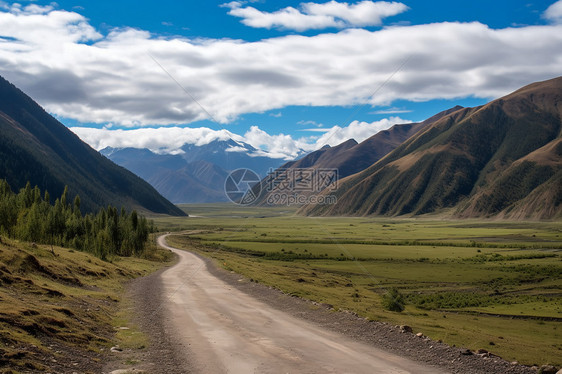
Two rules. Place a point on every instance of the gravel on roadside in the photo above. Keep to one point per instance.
(164, 354)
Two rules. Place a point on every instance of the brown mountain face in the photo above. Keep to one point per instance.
(368, 152)
(350, 157)
(502, 159)
(323, 158)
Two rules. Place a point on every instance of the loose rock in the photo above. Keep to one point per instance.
(548, 369)
(406, 328)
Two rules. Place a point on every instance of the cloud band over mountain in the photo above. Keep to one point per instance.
(169, 140)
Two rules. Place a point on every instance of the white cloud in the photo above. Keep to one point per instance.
(169, 140)
(159, 140)
(310, 123)
(75, 72)
(318, 16)
(364, 13)
(554, 12)
(392, 111)
(281, 145)
(236, 149)
(357, 130)
(287, 18)
(33, 23)
(315, 130)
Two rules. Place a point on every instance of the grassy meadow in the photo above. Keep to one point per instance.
(59, 303)
(477, 284)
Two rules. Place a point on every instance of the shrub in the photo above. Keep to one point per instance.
(393, 300)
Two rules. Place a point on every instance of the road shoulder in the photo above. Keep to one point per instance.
(164, 354)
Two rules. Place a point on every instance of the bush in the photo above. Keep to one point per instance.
(393, 300)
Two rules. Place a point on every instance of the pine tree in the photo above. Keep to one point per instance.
(64, 196)
(77, 206)
(27, 216)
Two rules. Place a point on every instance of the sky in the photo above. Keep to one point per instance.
(283, 76)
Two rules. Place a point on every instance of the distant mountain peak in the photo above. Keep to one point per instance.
(198, 174)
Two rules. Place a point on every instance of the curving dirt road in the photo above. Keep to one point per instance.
(228, 331)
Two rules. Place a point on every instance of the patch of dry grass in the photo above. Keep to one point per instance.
(57, 310)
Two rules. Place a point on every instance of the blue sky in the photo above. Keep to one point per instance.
(281, 75)
(209, 19)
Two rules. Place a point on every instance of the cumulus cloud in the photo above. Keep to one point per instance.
(279, 146)
(169, 140)
(356, 130)
(318, 16)
(287, 18)
(98, 78)
(554, 12)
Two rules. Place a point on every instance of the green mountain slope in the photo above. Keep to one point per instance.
(35, 147)
(501, 159)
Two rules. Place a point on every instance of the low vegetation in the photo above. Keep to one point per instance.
(477, 284)
(393, 300)
(62, 311)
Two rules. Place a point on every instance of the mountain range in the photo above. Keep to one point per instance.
(502, 159)
(36, 148)
(198, 173)
(347, 158)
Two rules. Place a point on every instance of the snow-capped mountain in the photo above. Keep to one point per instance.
(197, 174)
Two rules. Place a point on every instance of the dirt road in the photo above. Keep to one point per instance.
(228, 331)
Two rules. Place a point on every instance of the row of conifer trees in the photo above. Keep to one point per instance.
(29, 215)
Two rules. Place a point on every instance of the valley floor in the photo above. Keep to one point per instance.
(481, 285)
(215, 320)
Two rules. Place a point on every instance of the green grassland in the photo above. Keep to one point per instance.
(61, 303)
(478, 284)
